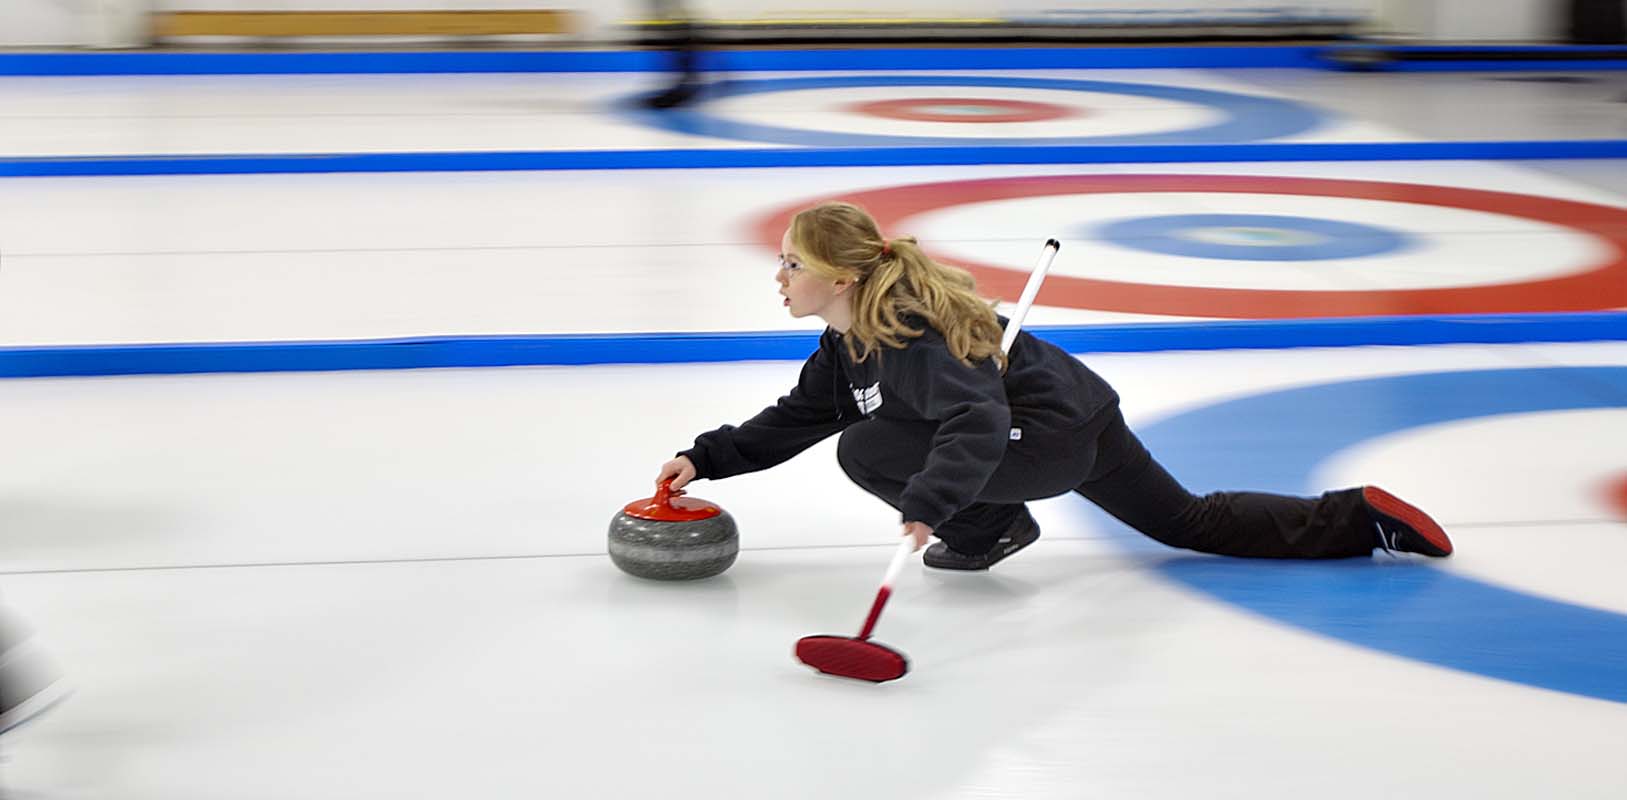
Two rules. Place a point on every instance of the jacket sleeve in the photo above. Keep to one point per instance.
(803, 417)
(974, 424)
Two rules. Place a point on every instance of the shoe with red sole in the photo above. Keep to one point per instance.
(1403, 527)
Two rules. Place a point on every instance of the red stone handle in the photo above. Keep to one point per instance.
(664, 494)
(666, 506)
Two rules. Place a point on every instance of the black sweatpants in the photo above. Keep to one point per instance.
(1105, 462)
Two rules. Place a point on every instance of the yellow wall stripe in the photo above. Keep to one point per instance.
(365, 23)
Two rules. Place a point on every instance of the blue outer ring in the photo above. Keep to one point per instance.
(1250, 118)
(1162, 234)
(1406, 608)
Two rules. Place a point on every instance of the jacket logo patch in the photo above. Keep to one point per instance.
(868, 399)
(1016, 434)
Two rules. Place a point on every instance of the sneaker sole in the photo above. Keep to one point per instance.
(957, 566)
(1395, 508)
(953, 566)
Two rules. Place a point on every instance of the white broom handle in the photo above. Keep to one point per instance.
(1030, 291)
(901, 555)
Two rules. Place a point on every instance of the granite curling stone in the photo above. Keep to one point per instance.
(670, 537)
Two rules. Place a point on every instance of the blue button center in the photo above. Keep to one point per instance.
(1252, 237)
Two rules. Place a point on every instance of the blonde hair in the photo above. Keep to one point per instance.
(893, 279)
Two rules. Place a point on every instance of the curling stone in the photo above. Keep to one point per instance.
(670, 537)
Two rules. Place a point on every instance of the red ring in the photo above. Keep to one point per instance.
(1602, 286)
(919, 109)
(1615, 493)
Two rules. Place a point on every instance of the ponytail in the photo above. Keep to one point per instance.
(894, 279)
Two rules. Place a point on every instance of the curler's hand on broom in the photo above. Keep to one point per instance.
(920, 532)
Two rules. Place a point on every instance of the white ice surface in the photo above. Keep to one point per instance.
(392, 585)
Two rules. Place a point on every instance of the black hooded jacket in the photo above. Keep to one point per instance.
(1044, 396)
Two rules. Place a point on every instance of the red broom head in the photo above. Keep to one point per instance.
(848, 657)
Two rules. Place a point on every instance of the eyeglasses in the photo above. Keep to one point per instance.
(791, 268)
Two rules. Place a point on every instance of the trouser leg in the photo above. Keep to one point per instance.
(1129, 484)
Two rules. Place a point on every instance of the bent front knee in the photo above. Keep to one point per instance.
(848, 449)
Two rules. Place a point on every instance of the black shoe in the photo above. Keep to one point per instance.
(1022, 533)
(682, 93)
(30, 684)
(1402, 527)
